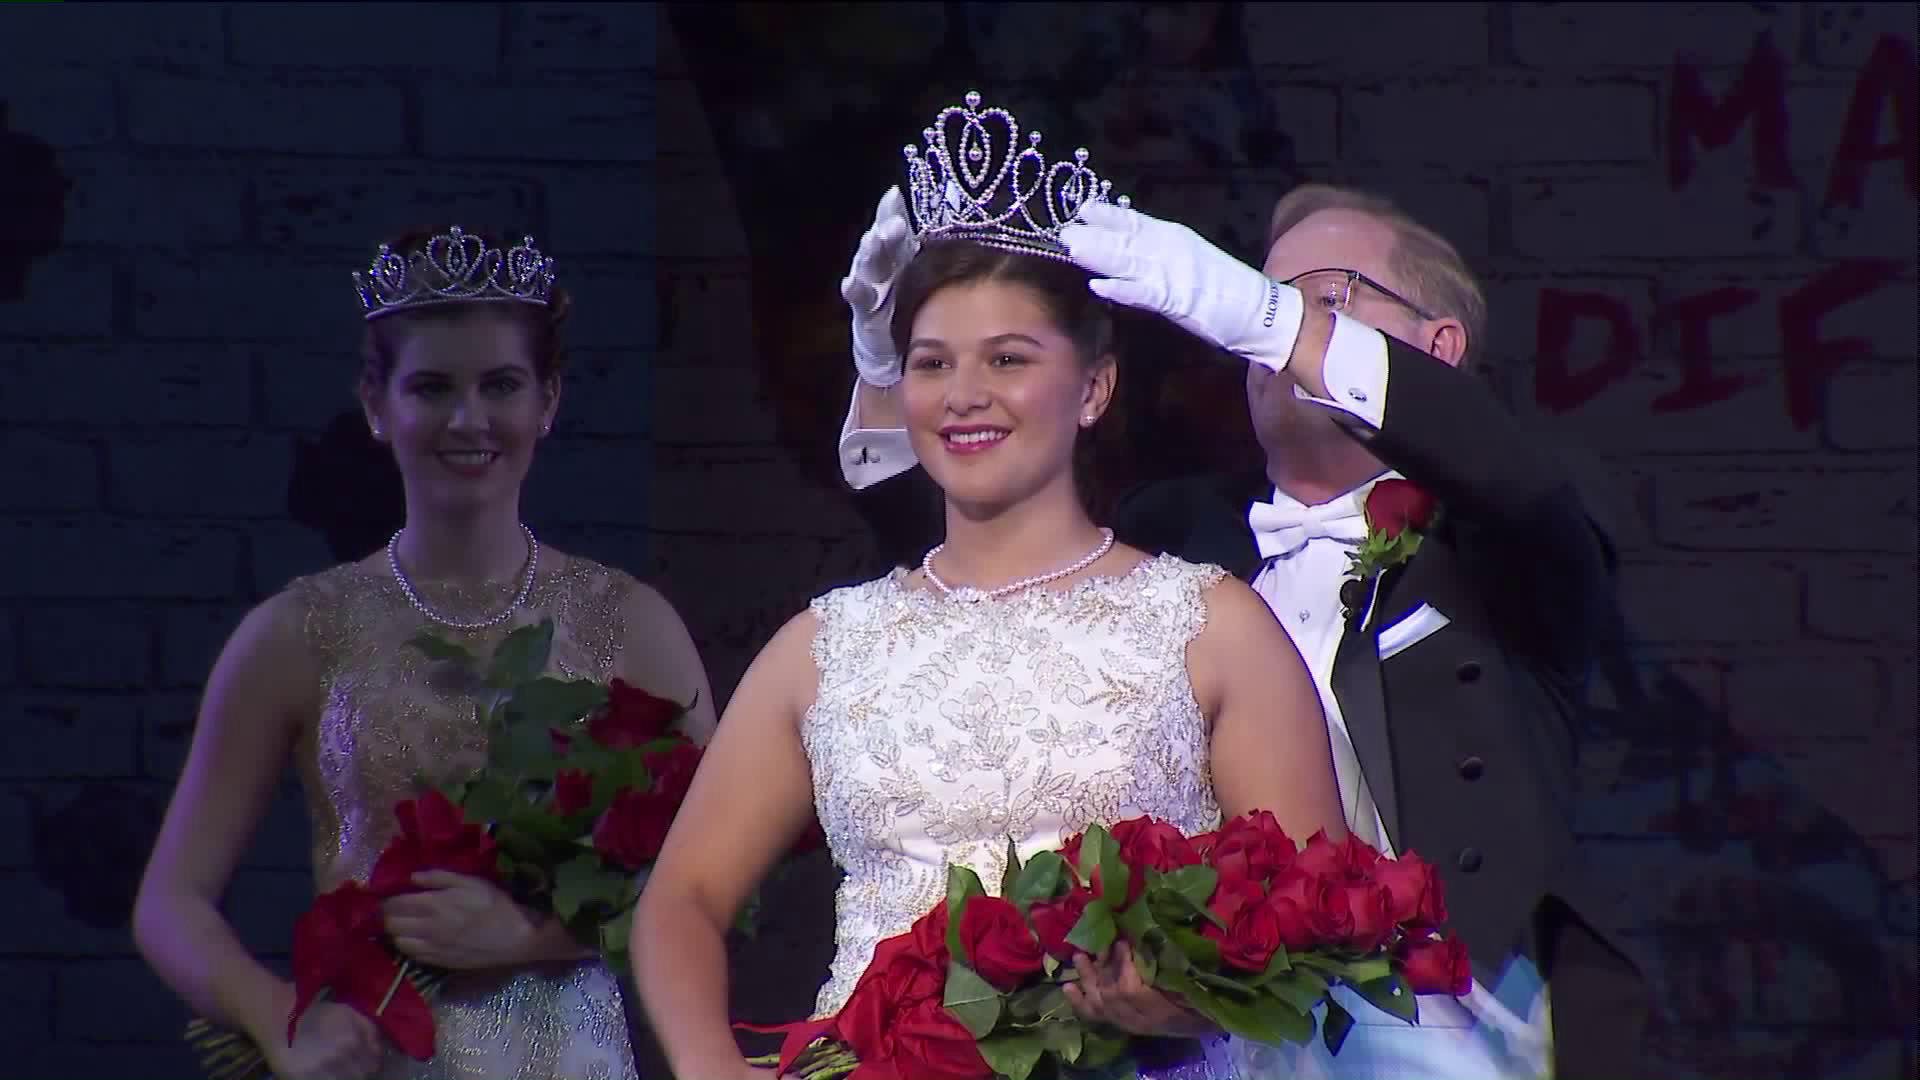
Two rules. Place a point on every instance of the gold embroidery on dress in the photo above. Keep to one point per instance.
(943, 727)
(383, 721)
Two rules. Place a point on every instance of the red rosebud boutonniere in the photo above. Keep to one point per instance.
(1398, 514)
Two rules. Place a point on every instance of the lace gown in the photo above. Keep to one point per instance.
(381, 722)
(943, 726)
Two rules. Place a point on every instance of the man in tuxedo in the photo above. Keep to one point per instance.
(1453, 680)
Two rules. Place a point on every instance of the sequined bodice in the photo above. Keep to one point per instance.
(943, 727)
(382, 723)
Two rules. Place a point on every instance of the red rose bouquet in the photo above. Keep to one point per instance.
(1241, 926)
(581, 782)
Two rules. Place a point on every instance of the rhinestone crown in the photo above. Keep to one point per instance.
(974, 180)
(455, 267)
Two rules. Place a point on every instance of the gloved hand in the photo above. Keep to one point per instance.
(1168, 269)
(884, 251)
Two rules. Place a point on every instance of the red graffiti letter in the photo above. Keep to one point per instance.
(1698, 384)
(1809, 360)
(1760, 94)
(1557, 387)
(1890, 72)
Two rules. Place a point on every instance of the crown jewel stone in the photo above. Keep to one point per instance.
(974, 179)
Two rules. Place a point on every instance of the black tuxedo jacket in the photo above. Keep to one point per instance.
(1468, 737)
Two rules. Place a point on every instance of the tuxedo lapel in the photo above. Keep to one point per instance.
(1357, 686)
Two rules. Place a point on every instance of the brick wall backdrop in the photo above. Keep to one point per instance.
(1617, 173)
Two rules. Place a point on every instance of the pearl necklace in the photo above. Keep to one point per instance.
(1091, 557)
(419, 605)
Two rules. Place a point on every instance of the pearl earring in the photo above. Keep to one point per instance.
(1086, 421)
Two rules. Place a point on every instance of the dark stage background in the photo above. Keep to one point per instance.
(1697, 225)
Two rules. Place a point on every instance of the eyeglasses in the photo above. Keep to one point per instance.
(1334, 289)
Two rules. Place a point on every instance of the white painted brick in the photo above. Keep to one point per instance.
(1202, 123)
(706, 318)
(1814, 508)
(285, 111)
(1572, 219)
(1873, 408)
(65, 106)
(1886, 320)
(1519, 121)
(445, 37)
(61, 560)
(126, 383)
(34, 920)
(1807, 699)
(48, 473)
(109, 34)
(1753, 419)
(1388, 37)
(1456, 209)
(599, 210)
(779, 496)
(1554, 36)
(1866, 601)
(305, 390)
(1012, 44)
(683, 128)
(89, 648)
(608, 392)
(718, 405)
(125, 201)
(69, 737)
(279, 551)
(1871, 785)
(67, 296)
(540, 124)
(613, 307)
(1882, 226)
(167, 474)
(702, 220)
(308, 206)
(1671, 603)
(597, 482)
(1844, 34)
(1816, 115)
(595, 37)
(233, 297)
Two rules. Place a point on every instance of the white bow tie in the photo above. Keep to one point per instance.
(1281, 531)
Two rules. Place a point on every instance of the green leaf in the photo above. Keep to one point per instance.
(1225, 984)
(523, 749)
(440, 649)
(615, 935)
(1093, 844)
(584, 880)
(1095, 931)
(1202, 951)
(556, 703)
(1137, 922)
(522, 656)
(1300, 988)
(962, 885)
(972, 1000)
(1100, 1048)
(1333, 1030)
(1175, 906)
(1365, 970)
(1012, 872)
(1115, 877)
(1063, 1038)
(1039, 880)
(1390, 995)
(1277, 964)
(490, 798)
(1194, 884)
(1041, 1004)
(1014, 1054)
(1262, 1020)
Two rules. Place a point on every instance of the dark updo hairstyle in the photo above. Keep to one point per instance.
(380, 343)
(1061, 289)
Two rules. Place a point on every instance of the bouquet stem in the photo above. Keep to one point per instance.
(823, 1060)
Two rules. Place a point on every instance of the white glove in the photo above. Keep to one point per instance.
(1168, 269)
(885, 250)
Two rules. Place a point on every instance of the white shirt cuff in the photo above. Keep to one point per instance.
(870, 455)
(1355, 372)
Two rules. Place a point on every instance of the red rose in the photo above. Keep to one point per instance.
(572, 791)
(1368, 913)
(1252, 847)
(929, 1044)
(1145, 843)
(1002, 949)
(1053, 920)
(1436, 967)
(562, 741)
(1394, 506)
(1350, 860)
(1418, 898)
(1311, 915)
(1070, 851)
(434, 835)
(633, 829)
(1251, 940)
(337, 947)
(672, 770)
(631, 717)
(1230, 897)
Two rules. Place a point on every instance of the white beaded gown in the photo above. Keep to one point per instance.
(944, 725)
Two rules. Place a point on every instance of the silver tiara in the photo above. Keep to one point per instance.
(965, 185)
(454, 267)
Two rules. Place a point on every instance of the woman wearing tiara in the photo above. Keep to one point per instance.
(461, 379)
(1029, 679)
